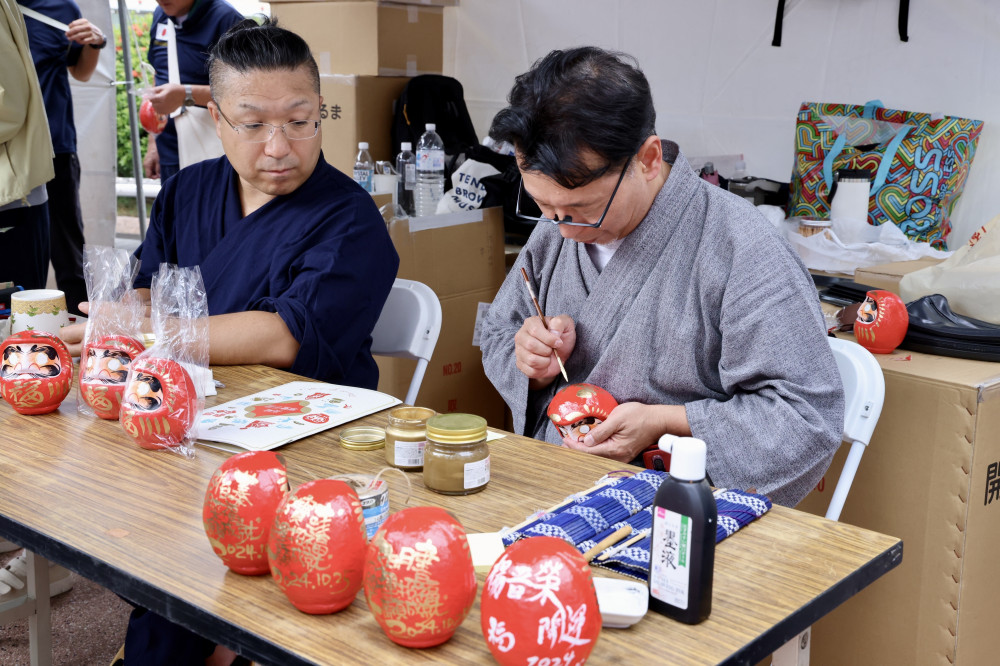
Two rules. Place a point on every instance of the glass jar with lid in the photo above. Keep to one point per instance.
(406, 436)
(456, 458)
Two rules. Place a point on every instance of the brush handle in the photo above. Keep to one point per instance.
(611, 540)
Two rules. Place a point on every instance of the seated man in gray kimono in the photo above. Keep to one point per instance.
(676, 296)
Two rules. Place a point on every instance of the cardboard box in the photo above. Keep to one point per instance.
(930, 476)
(460, 257)
(887, 276)
(368, 38)
(357, 108)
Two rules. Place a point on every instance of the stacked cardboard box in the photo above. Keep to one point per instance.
(460, 256)
(366, 51)
(930, 476)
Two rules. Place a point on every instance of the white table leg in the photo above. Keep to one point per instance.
(39, 621)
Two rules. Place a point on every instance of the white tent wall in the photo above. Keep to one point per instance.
(94, 115)
(719, 86)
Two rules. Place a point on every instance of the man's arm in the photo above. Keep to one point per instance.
(88, 35)
(242, 338)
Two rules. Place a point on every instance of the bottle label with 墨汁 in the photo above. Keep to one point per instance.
(669, 571)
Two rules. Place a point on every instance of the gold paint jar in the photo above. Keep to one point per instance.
(456, 458)
(406, 437)
(362, 438)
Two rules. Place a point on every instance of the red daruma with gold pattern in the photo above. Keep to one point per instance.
(577, 408)
(240, 504)
(317, 546)
(419, 579)
(36, 372)
(104, 370)
(159, 404)
(882, 322)
(539, 605)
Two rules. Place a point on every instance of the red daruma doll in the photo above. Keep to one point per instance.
(36, 372)
(576, 409)
(160, 403)
(150, 120)
(882, 322)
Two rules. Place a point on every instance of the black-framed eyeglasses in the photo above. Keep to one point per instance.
(528, 210)
(295, 130)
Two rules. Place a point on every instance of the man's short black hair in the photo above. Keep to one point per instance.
(574, 101)
(252, 45)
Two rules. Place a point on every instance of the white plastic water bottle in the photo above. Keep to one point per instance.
(364, 168)
(430, 172)
(406, 166)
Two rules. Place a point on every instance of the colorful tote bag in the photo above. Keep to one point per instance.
(919, 164)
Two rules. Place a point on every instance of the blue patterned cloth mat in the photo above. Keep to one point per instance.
(590, 517)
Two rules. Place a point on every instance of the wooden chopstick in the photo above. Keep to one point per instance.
(561, 504)
(642, 534)
(538, 309)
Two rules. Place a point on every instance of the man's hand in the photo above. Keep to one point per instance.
(151, 163)
(535, 348)
(83, 32)
(630, 428)
(72, 335)
(166, 98)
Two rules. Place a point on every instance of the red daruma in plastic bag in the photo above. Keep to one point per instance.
(150, 120)
(160, 403)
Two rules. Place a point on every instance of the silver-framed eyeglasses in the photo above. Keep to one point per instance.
(294, 130)
(528, 210)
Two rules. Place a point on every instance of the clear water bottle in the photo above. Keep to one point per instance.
(364, 168)
(406, 167)
(430, 172)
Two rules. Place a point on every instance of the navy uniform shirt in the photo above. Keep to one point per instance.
(196, 34)
(52, 53)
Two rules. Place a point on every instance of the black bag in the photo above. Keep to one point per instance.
(433, 98)
(935, 329)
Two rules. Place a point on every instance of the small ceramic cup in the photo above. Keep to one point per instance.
(38, 310)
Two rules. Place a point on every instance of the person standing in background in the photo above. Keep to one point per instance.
(57, 55)
(25, 158)
(198, 24)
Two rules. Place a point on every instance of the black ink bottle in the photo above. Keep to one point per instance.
(682, 550)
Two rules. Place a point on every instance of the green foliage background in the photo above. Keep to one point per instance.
(141, 23)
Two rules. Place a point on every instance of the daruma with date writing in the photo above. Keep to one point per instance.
(240, 504)
(419, 579)
(36, 372)
(317, 546)
(539, 605)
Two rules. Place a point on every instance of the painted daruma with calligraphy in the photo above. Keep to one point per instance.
(36, 372)
(160, 404)
(240, 504)
(577, 408)
(419, 579)
(317, 546)
(105, 363)
(882, 322)
(539, 605)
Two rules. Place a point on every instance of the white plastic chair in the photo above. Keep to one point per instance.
(864, 393)
(409, 327)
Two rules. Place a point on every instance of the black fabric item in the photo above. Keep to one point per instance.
(433, 98)
(66, 230)
(25, 241)
(776, 41)
(153, 640)
(904, 19)
(841, 288)
(935, 329)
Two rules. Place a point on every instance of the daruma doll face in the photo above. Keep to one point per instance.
(105, 364)
(576, 409)
(36, 372)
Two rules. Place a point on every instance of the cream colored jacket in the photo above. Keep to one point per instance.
(25, 144)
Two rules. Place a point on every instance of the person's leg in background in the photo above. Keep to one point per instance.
(66, 229)
(24, 239)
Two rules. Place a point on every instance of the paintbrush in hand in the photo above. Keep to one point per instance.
(538, 308)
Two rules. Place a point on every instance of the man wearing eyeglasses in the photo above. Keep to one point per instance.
(677, 297)
(296, 259)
